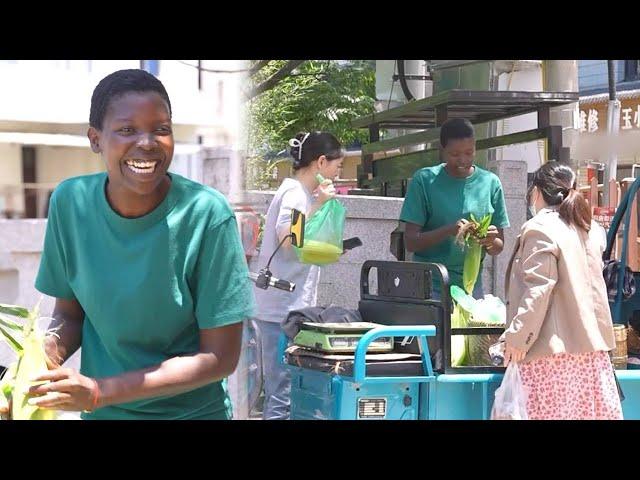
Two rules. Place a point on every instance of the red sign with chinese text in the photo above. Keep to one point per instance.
(604, 215)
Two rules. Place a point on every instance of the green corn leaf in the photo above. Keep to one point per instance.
(8, 379)
(483, 226)
(486, 223)
(11, 341)
(6, 389)
(14, 310)
(4, 400)
(5, 322)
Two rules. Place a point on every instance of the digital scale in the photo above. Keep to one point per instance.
(340, 337)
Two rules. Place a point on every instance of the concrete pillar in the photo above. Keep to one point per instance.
(513, 175)
(562, 76)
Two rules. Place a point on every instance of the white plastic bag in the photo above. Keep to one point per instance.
(511, 397)
(490, 309)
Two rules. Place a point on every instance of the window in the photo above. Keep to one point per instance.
(631, 70)
(29, 175)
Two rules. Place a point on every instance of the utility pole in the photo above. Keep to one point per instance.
(613, 127)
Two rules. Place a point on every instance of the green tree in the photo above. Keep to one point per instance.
(315, 95)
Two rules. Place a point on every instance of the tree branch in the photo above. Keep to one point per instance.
(210, 69)
(276, 78)
(256, 67)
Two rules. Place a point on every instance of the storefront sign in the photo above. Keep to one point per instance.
(593, 117)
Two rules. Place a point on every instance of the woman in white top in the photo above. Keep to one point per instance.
(313, 153)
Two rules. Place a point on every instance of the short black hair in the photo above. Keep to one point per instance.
(455, 129)
(119, 83)
(315, 144)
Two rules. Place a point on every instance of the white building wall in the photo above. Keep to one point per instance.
(11, 198)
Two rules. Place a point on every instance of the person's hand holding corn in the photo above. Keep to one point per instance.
(492, 242)
(6, 406)
(65, 389)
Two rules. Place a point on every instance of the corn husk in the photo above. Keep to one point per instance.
(459, 343)
(27, 340)
(467, 238)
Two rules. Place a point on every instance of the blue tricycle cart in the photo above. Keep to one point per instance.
(418, 382)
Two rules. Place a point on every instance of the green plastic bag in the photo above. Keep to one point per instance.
(323, 235)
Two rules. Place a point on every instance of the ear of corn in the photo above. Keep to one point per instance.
(471, 268)
(28, 342)
(32, 362)
(475, 230)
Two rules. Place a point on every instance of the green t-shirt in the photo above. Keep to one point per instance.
(147, 285)
(435, 199)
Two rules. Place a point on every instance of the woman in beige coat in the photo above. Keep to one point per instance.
(559, 325)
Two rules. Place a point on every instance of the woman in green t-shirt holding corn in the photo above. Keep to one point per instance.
(147, 270)
(441, 199)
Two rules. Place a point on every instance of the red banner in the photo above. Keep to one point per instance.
(604, 215)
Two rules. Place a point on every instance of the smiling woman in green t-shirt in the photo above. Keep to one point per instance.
(148, 272)
(440, 200)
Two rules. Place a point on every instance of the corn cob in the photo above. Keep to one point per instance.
(467, 238)
(27, 341)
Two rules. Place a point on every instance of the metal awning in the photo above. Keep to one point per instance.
(445, 64)
(477, 106)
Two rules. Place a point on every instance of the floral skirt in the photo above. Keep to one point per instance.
(571, 387)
